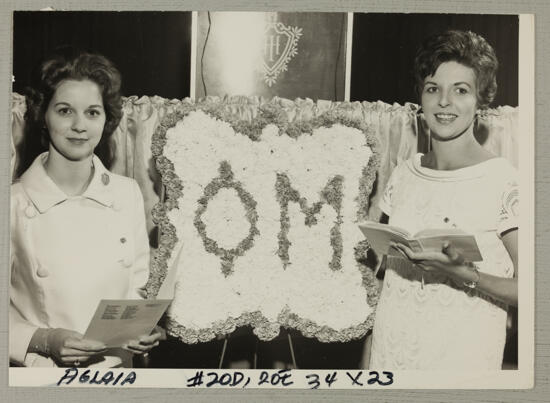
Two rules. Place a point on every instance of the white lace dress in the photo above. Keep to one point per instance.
(442, 325)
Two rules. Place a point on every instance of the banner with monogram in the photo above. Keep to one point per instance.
(271, 54)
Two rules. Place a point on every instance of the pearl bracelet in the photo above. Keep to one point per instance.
(472, 284)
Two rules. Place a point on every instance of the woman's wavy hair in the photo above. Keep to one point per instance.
(464, 47)
(70, 64)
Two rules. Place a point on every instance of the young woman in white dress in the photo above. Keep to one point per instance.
(437, 311)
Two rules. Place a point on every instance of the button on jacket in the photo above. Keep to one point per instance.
(69, 252)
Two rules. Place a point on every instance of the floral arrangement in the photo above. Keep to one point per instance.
(265, 213)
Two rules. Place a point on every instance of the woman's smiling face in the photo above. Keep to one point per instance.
(449, 100)
(75, 119)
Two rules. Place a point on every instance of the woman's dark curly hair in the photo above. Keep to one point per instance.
(66, 64)
(464, 47)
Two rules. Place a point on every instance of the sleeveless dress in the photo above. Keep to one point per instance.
(440, 324)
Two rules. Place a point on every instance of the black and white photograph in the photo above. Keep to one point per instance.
(271, 199)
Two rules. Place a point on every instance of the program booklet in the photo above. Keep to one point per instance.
(117, 321)
(380, 235)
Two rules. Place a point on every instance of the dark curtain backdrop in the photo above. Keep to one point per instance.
(152, 50)
(384, 46)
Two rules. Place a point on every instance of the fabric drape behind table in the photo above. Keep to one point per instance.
(395, 127)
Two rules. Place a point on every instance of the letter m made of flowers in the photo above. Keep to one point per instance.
(330, 195)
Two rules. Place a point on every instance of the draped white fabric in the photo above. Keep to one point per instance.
(395, 127)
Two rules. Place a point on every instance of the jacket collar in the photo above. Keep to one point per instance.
(45, 194)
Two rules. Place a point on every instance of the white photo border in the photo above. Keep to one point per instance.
(527, 237)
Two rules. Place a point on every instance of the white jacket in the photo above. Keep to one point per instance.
(68, 253)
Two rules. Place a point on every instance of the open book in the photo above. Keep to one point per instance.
(379, 237)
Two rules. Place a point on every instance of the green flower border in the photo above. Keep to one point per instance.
(268, 113)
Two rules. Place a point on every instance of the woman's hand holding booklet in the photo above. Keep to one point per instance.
(379, 237)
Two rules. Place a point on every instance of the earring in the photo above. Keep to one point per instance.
(476, 118)
(423, 128)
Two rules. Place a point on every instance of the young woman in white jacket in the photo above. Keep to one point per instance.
(77, 230)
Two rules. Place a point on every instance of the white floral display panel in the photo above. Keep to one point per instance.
(260, 223)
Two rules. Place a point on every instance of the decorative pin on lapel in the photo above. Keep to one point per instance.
(105, 179)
